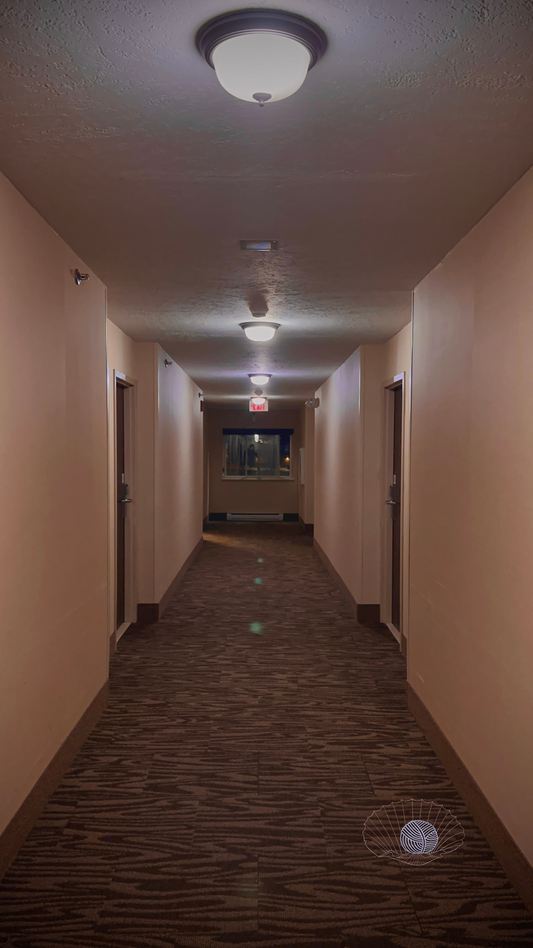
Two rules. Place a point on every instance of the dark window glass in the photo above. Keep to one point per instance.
(257, 455)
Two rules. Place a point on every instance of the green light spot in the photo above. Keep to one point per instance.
(260, 559)
(256, 628)
(258, 580)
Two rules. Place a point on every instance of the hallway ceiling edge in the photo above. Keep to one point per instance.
(413, 124)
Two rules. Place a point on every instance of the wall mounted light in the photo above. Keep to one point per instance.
(261, 55)
(259, 332)
(80, 277)
(259, 379)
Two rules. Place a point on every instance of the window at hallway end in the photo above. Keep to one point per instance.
(257, 454)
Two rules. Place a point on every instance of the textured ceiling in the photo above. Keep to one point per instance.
(417, 119)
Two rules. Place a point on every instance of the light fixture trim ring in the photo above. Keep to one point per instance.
(240, 22)
(265, 322)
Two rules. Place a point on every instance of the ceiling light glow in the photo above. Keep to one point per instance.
(260, 332)
(259, 379)
(261, 55)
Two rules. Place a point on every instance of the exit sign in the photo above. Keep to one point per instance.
(258, 404)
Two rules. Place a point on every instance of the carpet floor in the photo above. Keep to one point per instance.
(221, 799)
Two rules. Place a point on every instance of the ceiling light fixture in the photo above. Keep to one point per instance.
(261, 55)
(259, 332)
(263, 246)
(259, 379)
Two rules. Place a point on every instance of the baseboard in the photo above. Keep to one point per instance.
(395, 632)
(368, 613)
(116, 636)
(515, 864)
(217, 517)
(30, 810)
(308, 528)
(365, 613)
(150, 612)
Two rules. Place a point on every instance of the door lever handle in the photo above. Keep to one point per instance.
(127, 500)
(391, 503)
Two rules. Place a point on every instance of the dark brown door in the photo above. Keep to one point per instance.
(122, 493)
(395, 506)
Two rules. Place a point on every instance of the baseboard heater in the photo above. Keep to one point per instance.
(255, 516)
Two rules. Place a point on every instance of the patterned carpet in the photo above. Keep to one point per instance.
(221, 799)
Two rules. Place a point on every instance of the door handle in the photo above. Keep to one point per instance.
(391, 503)
(127, 500)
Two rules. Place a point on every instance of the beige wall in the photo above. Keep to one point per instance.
(205, 507)
(471, 639)
(146, 358)
(53, 484)
(307, 489)
(178, 471)
(257, 497)
(350, 488)
(167, 508)
(338, 472)
(373, 374)
(348, 471)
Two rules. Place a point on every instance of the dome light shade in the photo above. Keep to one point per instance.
(261, 55)
(259, 379)
(261, 67)
(260, 332)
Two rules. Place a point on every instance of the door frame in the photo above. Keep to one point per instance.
(386, 521)
(130, 578)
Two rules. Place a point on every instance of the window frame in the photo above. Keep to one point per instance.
(251, 479)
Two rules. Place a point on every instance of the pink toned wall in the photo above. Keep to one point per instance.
(307, 489)
(349, 485)
(348, 471)
(338, 472)
(146, 358)
(373, 374)
(258, 497)
(205, 508)
(53, 484)
(178, 471)
(471, 644)
(168, 468)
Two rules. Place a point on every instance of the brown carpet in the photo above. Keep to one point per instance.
(221, 799)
